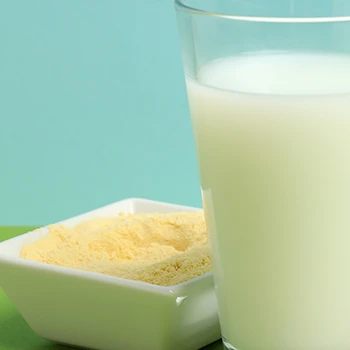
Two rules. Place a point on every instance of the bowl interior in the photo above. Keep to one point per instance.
(12, 247)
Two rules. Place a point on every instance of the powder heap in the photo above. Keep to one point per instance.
(162, 249)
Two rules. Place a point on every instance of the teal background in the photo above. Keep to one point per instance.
(92, 108)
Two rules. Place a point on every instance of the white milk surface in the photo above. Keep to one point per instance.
(272, 132)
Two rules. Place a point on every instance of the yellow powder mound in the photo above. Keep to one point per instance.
(162, 249)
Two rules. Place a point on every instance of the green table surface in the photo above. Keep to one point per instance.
(15, 334)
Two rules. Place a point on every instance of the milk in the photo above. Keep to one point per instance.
(272, 132)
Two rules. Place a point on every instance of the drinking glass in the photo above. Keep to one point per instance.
(268, 86)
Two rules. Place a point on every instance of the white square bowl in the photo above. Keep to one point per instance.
(97, 311)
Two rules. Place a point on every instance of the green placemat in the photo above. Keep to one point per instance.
(15, 334)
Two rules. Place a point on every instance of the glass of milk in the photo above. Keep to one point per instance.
(268, 85)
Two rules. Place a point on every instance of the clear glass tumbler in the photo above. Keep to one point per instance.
(268, 85)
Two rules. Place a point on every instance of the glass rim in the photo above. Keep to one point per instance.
(182, 7)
